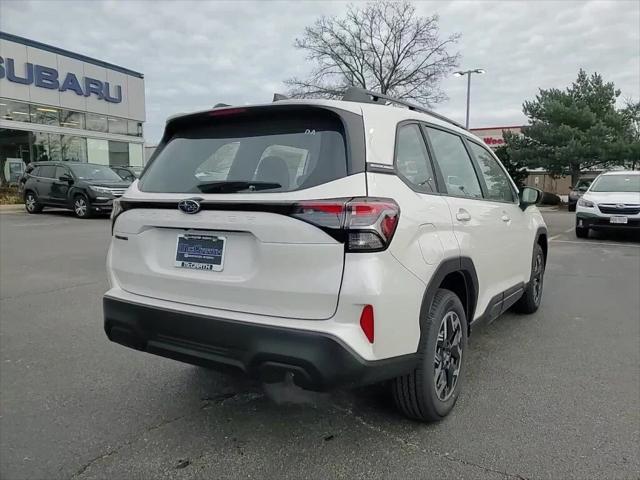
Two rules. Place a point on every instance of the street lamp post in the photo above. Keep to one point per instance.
(468, 73)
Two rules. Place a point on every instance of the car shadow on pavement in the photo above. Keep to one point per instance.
(615, 235)
(62, 213)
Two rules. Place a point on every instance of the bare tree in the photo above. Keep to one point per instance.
(382, 46)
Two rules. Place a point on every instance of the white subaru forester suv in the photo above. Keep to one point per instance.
(326, 242)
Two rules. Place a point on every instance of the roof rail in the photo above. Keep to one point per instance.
(357, 94)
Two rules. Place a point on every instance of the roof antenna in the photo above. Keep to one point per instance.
(278, 96)
(218, 105)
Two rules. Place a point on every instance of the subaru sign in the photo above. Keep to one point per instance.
(47, 77)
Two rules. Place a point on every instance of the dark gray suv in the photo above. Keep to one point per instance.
(85, 188)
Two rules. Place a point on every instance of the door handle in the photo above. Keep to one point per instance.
(463, 215)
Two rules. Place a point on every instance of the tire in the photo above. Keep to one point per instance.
(31, 204)
(81, 206)
(582, 232)
(415, 394)
(530, 301)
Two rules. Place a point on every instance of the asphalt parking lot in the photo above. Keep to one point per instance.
(553, 395)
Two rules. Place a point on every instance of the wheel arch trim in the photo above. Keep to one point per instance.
(541, 232)
(462, 265)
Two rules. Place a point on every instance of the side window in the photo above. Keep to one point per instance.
(498, 184)
(59, 172)
(47, 171)
(459, 175)
(35, 171)
(412, 159)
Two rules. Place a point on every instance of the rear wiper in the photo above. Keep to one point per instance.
(235, 186)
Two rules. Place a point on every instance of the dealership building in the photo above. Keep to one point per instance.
(59, 105)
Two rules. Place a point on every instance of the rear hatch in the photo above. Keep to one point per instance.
(217, 219)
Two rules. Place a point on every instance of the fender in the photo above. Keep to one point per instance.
(463, 265)
(542, 232)
(73, 190)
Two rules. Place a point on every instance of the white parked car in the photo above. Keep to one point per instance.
(611, 202)
(328, 242)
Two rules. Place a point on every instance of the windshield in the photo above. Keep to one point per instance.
(255, 151)
(88, 171)
(617, 183)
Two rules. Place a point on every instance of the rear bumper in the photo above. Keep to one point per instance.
(318, 361)
(598, 222)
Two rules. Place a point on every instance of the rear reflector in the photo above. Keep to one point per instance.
(366, 322)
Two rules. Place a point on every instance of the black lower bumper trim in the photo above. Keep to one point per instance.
(597, 222)
(317, 361)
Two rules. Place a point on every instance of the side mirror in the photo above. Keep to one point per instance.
(529, 196)
(65, 178)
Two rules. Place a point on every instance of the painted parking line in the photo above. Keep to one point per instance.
(560, 234)
(594, 243)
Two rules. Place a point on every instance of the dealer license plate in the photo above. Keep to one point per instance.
(618, 220)
(200, 252)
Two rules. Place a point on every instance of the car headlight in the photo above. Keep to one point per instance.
(104, 190)
(586, 203)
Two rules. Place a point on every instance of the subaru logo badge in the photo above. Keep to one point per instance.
(621, 205)
(189, 206)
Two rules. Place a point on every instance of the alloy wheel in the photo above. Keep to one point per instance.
(538, 275)
(448, 357)
(30, 203)
(80, 207)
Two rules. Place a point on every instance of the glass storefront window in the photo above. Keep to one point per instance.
(96, 123)
(118, 153)
(71, 119)
(98, 151)
(40, 147)
(45, 115)
(73, 149)
(135, 128)
(16, 111)
(55, 147)
(118, 126)
(135, 155)
(14, 154)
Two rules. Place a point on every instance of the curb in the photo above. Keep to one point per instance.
(12, 208)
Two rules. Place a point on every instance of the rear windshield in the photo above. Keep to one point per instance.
(617, 183)
(250, 152)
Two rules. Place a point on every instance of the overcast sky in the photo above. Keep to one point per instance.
(194, 55)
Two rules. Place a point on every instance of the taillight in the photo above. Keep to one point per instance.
(364, 224)
(371, 223)
(116, 209)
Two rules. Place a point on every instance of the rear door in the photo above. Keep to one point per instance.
(59, 188)
(477, 223)
(500, 190)
(248, 241)
(44, 182)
